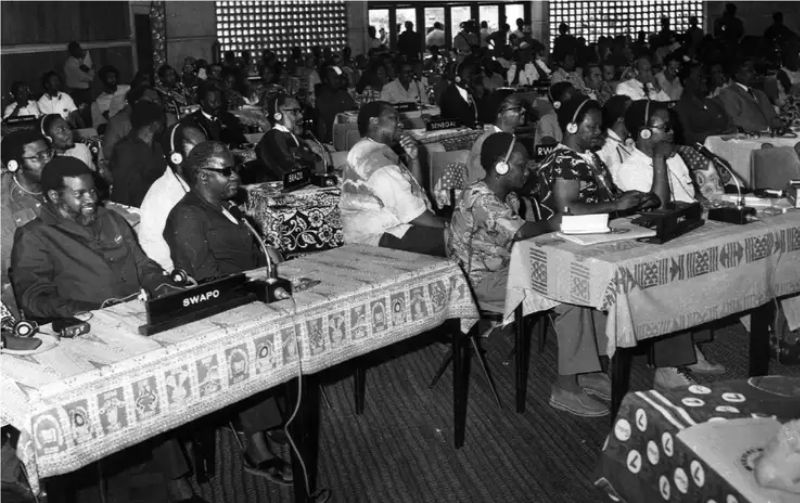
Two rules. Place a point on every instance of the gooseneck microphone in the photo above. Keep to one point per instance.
(741, 214)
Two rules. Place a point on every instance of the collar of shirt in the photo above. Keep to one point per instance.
(52, 98)
(464, 93)
(744, 87)
(284, 129)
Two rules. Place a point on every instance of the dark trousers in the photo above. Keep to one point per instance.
(418, 239)
(676, 350)
(259, 413)
(169, 458)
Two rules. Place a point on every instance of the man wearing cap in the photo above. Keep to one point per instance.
(509, 115)
(25, 153)
(382, 203)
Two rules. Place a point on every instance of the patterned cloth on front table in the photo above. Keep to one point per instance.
(564, 163)
(453, 178)
(708, 179)
(482, 231)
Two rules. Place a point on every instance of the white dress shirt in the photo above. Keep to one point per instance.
(61, 104)
(394, 92)
(161, 197)
(636, 91)
(637, 174)
(615, 151)
(30, 108)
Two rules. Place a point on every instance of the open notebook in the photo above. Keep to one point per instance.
(621, 229)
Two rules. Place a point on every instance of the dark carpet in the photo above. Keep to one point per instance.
(401, 448)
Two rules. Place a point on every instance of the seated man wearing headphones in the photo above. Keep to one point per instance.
(25, 154)
(280, 149)
(547, 129)
(165, 193)
(485, 223)
(459, 100)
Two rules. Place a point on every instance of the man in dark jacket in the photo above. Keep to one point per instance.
(458, 100)
(332, 98)
(217, 123)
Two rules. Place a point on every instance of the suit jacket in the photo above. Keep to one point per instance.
(748, 113)
(226, 128)
(279, 152)
(453, 106)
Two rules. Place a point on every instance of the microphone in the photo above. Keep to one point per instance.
(276, 288)
(327, 161)
(741, 214)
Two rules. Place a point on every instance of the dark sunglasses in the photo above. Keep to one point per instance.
(227, 171)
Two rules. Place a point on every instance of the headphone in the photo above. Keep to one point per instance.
(457, 78)
(572, 127)
(175, 157)
(277, 115)
(24, 328)
(179, 277)
(12, 165)
(645, 133)
(41, 129)
(502, 167)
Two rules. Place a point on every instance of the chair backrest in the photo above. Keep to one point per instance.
(341, 132)
(352, 137)
(772, 168)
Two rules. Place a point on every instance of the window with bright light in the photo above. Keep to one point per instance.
(280, 25)
(592, 20)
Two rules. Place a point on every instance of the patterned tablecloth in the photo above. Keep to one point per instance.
(301, 221)
(647, 457)
(78, 400)
(649, 290)
(737, 150)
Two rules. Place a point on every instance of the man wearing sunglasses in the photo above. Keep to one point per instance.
(208, 240)
(509, 113)
(653, 165)
(25, 154)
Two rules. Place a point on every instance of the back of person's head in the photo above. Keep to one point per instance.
(207, 88)
(136, 93)
(13, 145)
(495, 148)
(560, 92)
(639, 115)
(274, 105)
(614, 109)
(778, 17)
(563, 28)
(201, 157)
(686, 70)
(162, 71)
(574, 110)
(730, 8)
(367, 112)
(145, 113)
(59, 168)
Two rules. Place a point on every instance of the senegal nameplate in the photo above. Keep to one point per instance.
(437, 124)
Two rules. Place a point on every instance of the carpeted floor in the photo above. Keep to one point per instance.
(401, 448)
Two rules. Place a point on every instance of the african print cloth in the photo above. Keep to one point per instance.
(303, 221)
(650, 290)
(85, 398)
(587, 169)
(647, 457)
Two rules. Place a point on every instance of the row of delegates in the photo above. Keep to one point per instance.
(74, 256)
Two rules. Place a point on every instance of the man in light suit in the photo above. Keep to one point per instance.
(749, 108)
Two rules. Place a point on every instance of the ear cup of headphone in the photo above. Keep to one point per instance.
(176, 158)
(25, 328)
(179, 277)
(501, 168)
(44, 133)
(572, 128)
(645, 133)
(277, 116)
(12, 165)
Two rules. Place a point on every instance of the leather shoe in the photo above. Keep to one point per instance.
(597, 384)
(577, 403)
(672, 378)
(274, 469)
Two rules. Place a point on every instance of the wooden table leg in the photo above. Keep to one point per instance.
(305, 434)
(522, 358)
(760, 319)
(620, 378)
(360, 385)
(461, 355)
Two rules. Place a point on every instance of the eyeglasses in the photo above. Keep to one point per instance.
(293, 110)
(226, 171)
(664, 127)
(43, 156)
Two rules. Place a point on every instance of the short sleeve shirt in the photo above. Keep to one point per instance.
(482, 231)
(564, 163)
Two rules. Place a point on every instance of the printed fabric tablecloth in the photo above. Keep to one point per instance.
(738, 150)
(302, 221)
(81, 399)
(650, 290)
(645, 457)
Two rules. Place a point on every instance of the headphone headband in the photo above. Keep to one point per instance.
(510, 148)
(172, 137)
(578, 110)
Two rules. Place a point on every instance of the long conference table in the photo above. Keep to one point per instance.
(76, 401)
(650, 290)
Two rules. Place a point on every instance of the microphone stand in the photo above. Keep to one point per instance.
(277, 288)
(741, 214)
